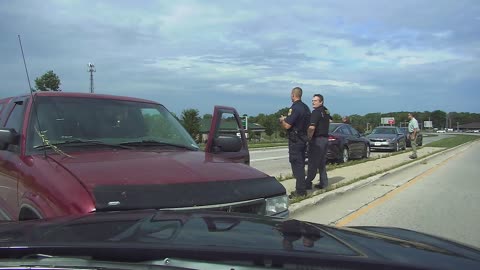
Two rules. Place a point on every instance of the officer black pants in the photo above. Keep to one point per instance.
(296, 152)
(317, 161)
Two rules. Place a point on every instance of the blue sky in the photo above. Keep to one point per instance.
(363, 56)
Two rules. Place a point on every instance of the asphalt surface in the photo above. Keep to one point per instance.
(275, 161)
(439, 196)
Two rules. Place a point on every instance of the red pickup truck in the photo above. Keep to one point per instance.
(73, 153)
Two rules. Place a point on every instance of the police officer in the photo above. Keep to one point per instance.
(296, 123)
(318, 142)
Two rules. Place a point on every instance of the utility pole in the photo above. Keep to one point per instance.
(91, 69)
(446, 121)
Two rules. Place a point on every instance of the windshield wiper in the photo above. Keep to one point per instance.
(157, 143)
(78, 142)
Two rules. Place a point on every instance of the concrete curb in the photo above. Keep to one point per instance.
(295, 207)
(259, 149)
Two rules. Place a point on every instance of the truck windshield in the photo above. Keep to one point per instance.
(63, 119)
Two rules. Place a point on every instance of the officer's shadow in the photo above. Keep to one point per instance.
(294, 230)
(334, 180)
(331, 180)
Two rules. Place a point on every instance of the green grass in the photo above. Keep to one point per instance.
(266, 144)
(333, 166)
(453, 141)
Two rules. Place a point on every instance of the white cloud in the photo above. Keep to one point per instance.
(443, 34)
(338, 85)
(236, 88)
(208, 66)
(378, 54)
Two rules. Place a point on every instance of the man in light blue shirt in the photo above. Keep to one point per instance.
(413, 132)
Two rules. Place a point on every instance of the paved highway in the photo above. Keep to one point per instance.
(440, 197)
(275, 161)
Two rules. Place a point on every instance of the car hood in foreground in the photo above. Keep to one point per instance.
(151, 235)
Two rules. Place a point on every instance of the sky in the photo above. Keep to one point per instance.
(362, 56)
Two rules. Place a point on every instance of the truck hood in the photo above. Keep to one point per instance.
(132, 179)
(127, 167)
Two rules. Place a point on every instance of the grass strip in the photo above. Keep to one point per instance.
(265, 145)
(453, 141)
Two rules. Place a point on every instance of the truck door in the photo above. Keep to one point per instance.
(227, 137)
(10, 161)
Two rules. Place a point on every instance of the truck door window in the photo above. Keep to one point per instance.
(228, 126)
(15, 119)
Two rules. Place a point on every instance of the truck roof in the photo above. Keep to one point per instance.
(86, 95)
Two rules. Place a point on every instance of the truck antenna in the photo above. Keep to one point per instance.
(37, 130)
(25, 64)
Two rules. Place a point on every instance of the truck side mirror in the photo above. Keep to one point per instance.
(8, 136)
(225, 143)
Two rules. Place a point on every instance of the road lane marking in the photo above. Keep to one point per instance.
(269, 150)
(364, 209)
(269, 158)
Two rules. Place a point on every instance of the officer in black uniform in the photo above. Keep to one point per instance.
(318, 142)
(296, 124)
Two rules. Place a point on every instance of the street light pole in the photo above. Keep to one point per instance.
(91, 69)
(446, 121)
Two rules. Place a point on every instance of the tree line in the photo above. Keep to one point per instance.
(191, 120)
(440, 119)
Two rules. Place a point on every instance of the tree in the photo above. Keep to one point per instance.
(337, 117)
(191, 122)
(270, 123)
(438, 118)
(207, 116)
(48, 82)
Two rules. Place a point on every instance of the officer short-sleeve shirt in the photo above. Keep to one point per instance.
(320, 119)
(298, 115)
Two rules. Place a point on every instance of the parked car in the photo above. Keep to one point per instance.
(345, 143)
(387, 138)
(441, 131)
(208, 240)
(74, 153)
(407, 137)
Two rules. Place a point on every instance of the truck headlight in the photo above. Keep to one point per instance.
(276, 205)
